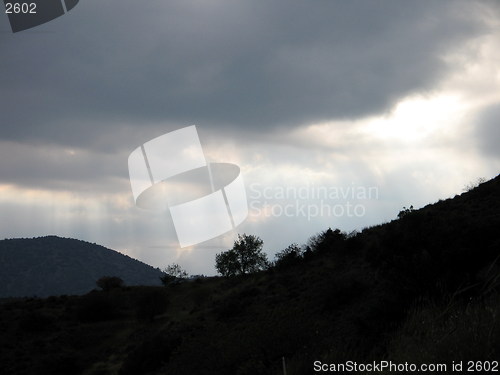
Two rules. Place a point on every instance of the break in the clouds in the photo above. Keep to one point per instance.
(401, 96)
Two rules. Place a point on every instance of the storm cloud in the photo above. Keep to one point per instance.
(241, 66)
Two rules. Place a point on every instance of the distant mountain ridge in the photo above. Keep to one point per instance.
(53, 265)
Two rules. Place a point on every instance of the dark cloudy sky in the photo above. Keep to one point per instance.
(401, 96)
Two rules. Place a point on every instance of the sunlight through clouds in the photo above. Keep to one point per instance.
(403, 97)
(415, 119)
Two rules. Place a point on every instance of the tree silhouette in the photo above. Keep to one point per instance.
(173, 272)
(246, 256)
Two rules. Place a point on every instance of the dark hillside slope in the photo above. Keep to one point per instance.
(446, 244)
(347, 297)
(53, 266)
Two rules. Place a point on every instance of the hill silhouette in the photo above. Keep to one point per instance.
(51, 265)
(423, 288)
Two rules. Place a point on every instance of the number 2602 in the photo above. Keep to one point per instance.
(17, 8)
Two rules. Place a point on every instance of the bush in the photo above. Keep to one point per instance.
(107, 283)
(405, 211)
(327, 241)
(173, 273)
(289, 256)
(474, 184)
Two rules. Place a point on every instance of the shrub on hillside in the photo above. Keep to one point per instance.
(327, 240)
(288, 257)
(405, 211)
(107, 283)
(474, 184)
(173, 273)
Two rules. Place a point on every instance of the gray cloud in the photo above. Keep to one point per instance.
(487, 131)
(63, 169)
(231, 66)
